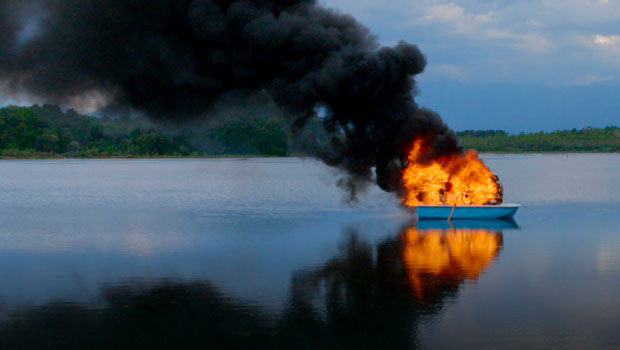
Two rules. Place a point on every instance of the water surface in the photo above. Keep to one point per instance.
(266, 253)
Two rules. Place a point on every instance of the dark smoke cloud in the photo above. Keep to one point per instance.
(172, 60)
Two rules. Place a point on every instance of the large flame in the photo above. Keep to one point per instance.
(460, 179)
(453, 254)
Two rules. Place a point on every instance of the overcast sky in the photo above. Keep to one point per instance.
(550, 43)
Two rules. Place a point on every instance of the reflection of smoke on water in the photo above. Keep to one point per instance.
(363, 297)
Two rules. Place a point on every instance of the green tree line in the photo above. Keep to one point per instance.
(583, 140)
(47, 131)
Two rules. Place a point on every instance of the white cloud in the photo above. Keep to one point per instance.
(449, 71)
(455, 16)
(447, 13)
(605, 48)
(522, 41)
(606, 40)
(533, 23)
(589, 79)
(480, 26)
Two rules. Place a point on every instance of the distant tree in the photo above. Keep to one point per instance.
(46, 142)
(72, 148)
(154, 143)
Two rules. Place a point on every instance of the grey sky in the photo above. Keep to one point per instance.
(549, 42)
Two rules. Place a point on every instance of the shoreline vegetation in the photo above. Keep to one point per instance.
(47, 132)
(586, 140)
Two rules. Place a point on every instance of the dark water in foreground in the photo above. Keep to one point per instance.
(263, 253)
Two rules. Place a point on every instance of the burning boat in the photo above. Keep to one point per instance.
(455, 186)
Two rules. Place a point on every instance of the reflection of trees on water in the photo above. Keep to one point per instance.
(365, 297)
(168, 315)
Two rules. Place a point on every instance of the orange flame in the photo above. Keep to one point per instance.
(460, 179)
(453, 254)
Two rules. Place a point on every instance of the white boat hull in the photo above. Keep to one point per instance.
(469, 212)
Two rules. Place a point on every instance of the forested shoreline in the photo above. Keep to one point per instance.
(560, 141)
(48, 132)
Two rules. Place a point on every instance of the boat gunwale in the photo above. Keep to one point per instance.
(507, 205)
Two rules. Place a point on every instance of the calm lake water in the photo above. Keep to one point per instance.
(266, 253)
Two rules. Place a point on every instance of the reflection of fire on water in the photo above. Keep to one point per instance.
(460, 179)
(453, 254)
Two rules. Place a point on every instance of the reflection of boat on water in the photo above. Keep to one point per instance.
(484, 212)
(491, 224)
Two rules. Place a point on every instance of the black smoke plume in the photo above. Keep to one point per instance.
(173, 59)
